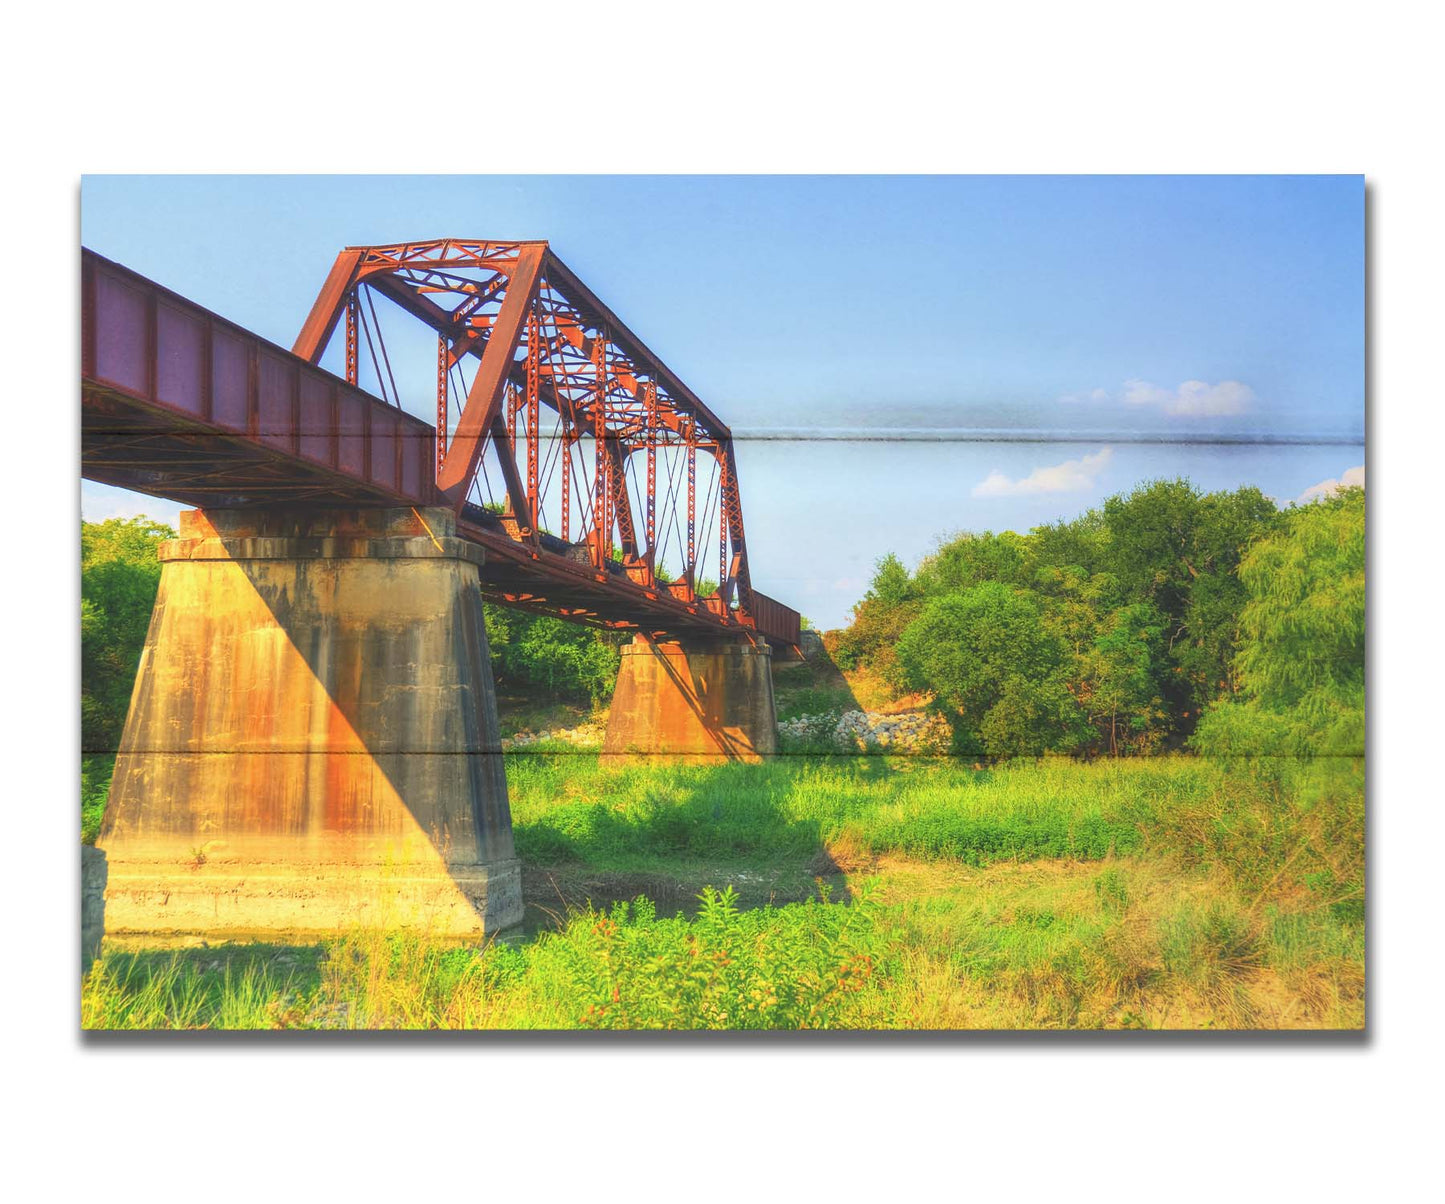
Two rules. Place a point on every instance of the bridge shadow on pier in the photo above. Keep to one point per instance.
(663, 827)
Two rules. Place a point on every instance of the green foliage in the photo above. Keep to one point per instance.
(550, 656)
(1179, 549)
(1123, 670)
(992, 664)
(878, 621)
(578, 808)
(890, 582)
(119, 576)
(794, 967)
(95, 775)
(1304, 624)
(971, 560)
(1301, 659)
(1237, 901)
(1106, 634)
(809, 965)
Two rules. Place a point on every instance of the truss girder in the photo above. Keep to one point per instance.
(536, 334)
(540, 391)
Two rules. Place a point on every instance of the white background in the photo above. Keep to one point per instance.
(1254, 87)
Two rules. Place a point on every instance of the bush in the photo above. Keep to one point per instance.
(550, 656)
(1120, 625)
(95, 773)
(1301, 655)
(119, 576)
(989, 661)
(795, 967)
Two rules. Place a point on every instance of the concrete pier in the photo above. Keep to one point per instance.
(707, 700)
(312, 742)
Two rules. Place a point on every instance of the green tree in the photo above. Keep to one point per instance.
(986, 656)
(1208, 635)
(1124, 672)
(968, 560)
(1075, 603)
(878, 620)
(119, 576)
(550, 656)
(1301, 658)
(890, 582)
(1083, 541)
(1179, 549)
(1141, 599)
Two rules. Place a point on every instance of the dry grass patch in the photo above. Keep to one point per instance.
(1127, 943)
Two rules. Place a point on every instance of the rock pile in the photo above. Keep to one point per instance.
(867, 731)
(587, 735)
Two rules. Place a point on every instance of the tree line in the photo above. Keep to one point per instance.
(1166, 618)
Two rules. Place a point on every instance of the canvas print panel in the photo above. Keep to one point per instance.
(737, 603)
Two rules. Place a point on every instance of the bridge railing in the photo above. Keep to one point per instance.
(146, 342)
(776, 621)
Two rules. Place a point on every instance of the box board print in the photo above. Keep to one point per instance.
(738, 603)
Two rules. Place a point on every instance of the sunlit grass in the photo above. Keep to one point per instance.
(1170, 893)
(1128, 943)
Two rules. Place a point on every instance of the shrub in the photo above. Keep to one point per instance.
(119, 576)
(794, 967)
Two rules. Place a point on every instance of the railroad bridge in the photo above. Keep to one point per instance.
(313, 738)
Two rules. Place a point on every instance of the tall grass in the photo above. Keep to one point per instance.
(95, 774)
(804, 965)
(1123, 944)
(1173, 892)
(601, 810)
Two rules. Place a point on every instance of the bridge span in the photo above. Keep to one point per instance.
(313, 737)
(180, 403)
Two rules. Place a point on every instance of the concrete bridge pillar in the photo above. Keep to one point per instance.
(312, 742)
(709, 699)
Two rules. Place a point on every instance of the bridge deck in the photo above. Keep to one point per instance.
(179, 403)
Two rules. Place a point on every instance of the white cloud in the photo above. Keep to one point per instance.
(1192, 399)
(1350, 477)
(1142, 393)
(1069, 477)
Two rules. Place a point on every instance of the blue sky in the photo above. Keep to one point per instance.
(1102, 310)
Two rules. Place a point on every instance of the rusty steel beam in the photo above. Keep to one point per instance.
(179, 403)
(334, 295)
(464, 454)
(638, 350)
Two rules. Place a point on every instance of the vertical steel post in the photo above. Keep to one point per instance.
(442, 415)
(692, 503)
(351, 337)
(566, 483)
(534, 503)
(722, 526)
(600, 478)
(651, 396)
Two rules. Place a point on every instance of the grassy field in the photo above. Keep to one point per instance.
(870, 892)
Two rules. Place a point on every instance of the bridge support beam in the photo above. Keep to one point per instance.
(711, 700)
(312, 743)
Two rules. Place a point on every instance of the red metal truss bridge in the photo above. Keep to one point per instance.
(601, 488)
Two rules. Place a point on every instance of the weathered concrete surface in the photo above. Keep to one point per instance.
(711, 701)
(312, 741)
(92, 904)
